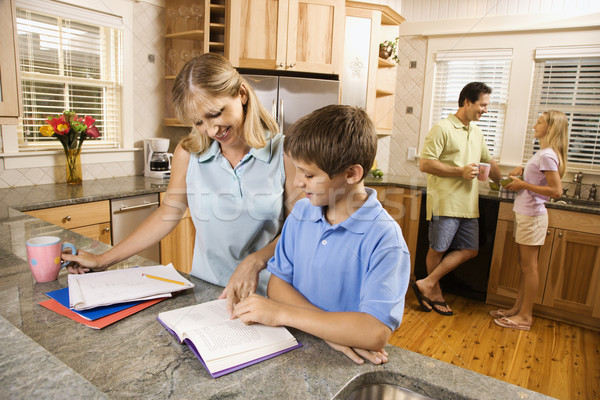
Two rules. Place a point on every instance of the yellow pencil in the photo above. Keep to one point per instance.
(163, 279)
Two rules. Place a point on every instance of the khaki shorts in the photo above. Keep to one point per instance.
(530, 230)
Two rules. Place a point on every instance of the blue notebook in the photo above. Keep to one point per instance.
(62, 296)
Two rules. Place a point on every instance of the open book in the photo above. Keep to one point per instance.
(124, 285)
(224, 345)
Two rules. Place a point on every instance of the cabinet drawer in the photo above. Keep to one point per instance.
(76, 215)
(99, 232)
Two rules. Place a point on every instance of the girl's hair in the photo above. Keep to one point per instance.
(557, 136)
(210, 76)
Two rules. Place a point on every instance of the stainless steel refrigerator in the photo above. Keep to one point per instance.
(291, 98)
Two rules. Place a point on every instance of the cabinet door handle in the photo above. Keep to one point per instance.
(106, 229)
(292, 65)
(67, 218)
(559, 234)
(547, 233)
(280, 65)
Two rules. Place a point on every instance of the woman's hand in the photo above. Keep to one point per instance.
(243, 282)
(83, 262)
(360, 355)
(516, 184)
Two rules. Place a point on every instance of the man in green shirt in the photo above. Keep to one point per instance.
(450, 156)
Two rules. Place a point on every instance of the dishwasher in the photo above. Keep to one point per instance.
(127, 214)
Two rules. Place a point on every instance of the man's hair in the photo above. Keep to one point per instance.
(334, 138)
(472, 91)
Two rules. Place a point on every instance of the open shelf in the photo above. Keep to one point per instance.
(196, 34)
(385, 63)
(174, 122)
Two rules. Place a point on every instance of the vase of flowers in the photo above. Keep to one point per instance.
(71, 130)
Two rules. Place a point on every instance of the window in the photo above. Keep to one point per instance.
(568, 79)
(66, 64)
(454, 69)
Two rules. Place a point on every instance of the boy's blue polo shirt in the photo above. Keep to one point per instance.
(361, 264)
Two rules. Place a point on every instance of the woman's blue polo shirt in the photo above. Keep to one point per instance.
(236, 211)
(361, 264)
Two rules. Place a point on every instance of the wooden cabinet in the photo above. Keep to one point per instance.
(191, 29)
(378, 77)
(404, 206)
(9, 85)
(289, 35)
(568, 266)
(178, 246)
(88, 219)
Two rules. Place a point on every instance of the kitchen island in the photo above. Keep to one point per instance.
(45, 355)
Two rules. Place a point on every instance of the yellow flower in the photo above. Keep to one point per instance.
(46, 130)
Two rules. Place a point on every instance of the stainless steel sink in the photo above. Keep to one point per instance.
(576, 202)
(384, 391)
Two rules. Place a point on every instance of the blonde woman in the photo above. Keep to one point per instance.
(231, 173)
(541, 180)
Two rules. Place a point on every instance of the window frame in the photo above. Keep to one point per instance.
(573, 60)
(64, 75)
(489, 64)
(13, 159)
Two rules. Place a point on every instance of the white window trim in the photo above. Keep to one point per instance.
(13, 159)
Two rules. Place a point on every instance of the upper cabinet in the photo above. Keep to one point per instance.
(191, 29)
(9, 92)
(288, 35)
(368, 80)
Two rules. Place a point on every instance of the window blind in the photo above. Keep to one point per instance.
(454, 69)
(570, 85)
(68, 65)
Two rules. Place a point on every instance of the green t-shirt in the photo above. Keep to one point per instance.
(453, 143)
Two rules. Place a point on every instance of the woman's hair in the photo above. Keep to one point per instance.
(210, 76)
(557, 136)
(334, 138)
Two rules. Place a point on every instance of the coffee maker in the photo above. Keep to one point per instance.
(157, 160)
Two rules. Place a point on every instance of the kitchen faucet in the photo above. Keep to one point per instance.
(577, 179)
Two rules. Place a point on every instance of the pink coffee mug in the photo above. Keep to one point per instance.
(484, 171)
(44, 253)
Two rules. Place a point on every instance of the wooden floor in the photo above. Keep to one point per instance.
(553, 358)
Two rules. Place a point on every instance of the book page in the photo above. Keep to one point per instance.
(123, 285)
(215, 335)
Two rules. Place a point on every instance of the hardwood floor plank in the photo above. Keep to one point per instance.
(553, 358)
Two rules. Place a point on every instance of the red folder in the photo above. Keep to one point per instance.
(100, 323)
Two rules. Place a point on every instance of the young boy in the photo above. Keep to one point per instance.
(341, 267)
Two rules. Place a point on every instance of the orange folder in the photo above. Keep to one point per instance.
(100, 323)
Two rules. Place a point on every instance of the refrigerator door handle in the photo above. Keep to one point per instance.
(274, 110)
(281, 116)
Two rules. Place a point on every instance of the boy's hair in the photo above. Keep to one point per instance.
(211, 76)
(334, 138)
(472, 91)
(558, 136)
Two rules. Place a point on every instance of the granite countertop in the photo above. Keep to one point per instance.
(588, 207)
(46, 355)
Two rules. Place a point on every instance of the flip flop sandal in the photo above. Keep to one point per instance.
(420, 297)
(508, 323)
(433, 305)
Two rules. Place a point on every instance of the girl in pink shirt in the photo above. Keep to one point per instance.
(541, 180)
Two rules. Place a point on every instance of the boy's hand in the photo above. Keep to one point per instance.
(258, 309)
(355, 354)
